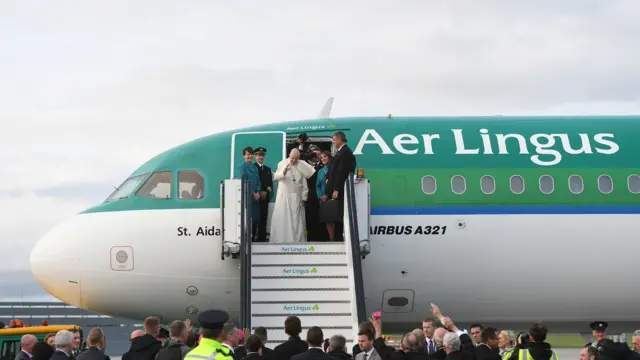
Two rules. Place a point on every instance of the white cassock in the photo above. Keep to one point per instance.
(288, 218)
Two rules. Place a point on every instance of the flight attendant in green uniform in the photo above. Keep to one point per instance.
(248, 171)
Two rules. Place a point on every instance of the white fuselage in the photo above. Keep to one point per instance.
(508, 268)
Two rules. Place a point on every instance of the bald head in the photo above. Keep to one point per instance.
(411, 342)
(136, 333)
(419, 334)
(438, 336)
(27, 342)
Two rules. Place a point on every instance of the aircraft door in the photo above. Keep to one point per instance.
(273, 141)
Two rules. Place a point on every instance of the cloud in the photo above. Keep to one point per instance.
(26, 217)
(91, 90)
(20, 286)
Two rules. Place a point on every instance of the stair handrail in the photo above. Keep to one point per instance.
(245, 254)
(355, 248)
(222, 207)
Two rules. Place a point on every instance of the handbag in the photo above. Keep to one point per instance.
(330, 211)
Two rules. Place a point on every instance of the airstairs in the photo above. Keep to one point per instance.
(319, 282)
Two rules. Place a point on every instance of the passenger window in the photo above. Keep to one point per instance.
(429, 185)
(546, 184)
(516, 183)
(458, 185)
(10, 349)
(158, 186)
(605, 184)
(127, 187)
(190, 185)
(633, 183)
(488, 184)
(576, 185)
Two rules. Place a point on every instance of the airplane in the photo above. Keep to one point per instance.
(503, 219)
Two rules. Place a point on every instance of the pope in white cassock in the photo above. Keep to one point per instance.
(288, 218)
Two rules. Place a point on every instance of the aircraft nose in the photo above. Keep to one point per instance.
(55, 263)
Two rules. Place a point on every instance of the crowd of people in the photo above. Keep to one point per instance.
(439, 338)
(310, 194)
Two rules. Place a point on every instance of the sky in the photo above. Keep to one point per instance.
(90, 90)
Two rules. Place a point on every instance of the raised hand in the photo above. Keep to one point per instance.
(435, 310)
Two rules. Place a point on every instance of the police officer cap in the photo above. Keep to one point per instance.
(213, 319)
(598, 325)
(260, 150)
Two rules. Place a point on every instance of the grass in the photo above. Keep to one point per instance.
(568, 341)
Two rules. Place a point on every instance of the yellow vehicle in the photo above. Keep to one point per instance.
(10, 337)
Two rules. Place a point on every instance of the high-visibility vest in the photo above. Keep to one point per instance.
(524, 355)
(209, 349)
(507, 354)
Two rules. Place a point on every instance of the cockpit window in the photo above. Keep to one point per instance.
(158, 186)
(190, 185)
(127, 187)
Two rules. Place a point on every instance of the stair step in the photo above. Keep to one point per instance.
(291, 296)
(261, 248)
(299, 270)
(299, 259)
(300, 283)
(321, 320)
(296, 308)
(277, 335)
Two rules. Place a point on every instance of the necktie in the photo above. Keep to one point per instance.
(364, 357)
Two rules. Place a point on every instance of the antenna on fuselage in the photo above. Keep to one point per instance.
(325, 113)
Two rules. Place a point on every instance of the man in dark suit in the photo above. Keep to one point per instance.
(486, 350)
(410, 349)
(343, 163)
(255, 348)
(294, 345)
(26, 347)
(64, 344)
(266, 183)
(267, 354)
(438, 338)
(145, 346)
(452, 346)
(96, 343)
(315, 339)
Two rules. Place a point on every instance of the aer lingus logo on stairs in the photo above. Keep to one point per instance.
(301, 308)
(299, 271)
(297, 249)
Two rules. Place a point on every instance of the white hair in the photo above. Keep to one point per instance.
(27, 339)
(636, 333)
(451, 341)
(63, 338)
(338, 342)
(294, 151)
